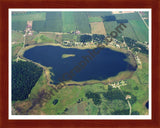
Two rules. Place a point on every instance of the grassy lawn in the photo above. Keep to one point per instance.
(68, 21)
(94, 19)
(29, 16)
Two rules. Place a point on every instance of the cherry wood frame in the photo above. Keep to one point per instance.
(6, 4)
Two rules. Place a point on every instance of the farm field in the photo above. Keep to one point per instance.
(82, 25)
(39, 16)
(52, 23)
(110, 26)
(68, 22)
(19, 25)
(140, 29)
(128, 16)
(97, 28)
(94, 19)
(17, 37)
(99, 13)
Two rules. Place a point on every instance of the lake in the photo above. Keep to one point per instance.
(79, 65)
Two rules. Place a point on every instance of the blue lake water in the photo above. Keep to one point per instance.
(88, 64)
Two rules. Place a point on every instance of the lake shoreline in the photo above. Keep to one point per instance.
(120, 76)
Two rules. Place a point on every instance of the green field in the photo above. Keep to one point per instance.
(15, 50)
(29, 17)
(99, 13)
(138, 85)
(94, 19)
(140, 30)
(82, 22)
(52, 23)
(68, 22)
(128, 16)
(70, 37)
(17, 36)
(147, 21)
(135, 29)
(110, 26)
(43, 39)
(19, 25)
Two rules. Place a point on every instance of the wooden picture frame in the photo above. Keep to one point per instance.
(4, 60)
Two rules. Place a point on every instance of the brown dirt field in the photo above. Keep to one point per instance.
(98, 28)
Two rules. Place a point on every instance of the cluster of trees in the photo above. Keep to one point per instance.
(85, 38)
(109, 18)
(24, 77)
(96, 38)
(135, 46)
(95, 97)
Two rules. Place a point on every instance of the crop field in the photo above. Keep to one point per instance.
(94, 19)
(39, 16)
(97, 28)
(128, 16)
(19, 21)
(19, 25)
(99, 13)
(43, 39)
(82, 25)
(135, 29)
(110, 26)
(70, 37)
(68, 21)
(17, 37)
(140, 29)
(53, 23)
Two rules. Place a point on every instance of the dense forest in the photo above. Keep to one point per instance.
(24, 77)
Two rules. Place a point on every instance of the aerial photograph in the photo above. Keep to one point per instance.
(79, 62)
